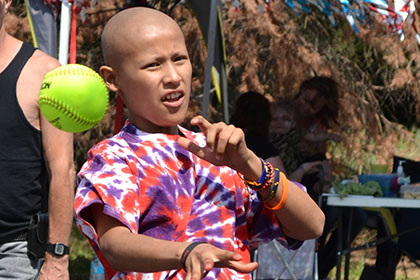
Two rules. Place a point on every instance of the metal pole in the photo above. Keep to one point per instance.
(63, 51)
(339, 242)
(225, 94)
(211, 39)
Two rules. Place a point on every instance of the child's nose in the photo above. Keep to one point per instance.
(172, 75)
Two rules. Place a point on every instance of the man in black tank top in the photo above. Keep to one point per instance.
(34, 157)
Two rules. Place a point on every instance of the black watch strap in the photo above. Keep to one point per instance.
(58, 249)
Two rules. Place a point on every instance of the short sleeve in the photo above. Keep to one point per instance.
(107, 179)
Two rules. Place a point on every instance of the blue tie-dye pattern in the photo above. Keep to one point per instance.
(114, 191)
(97, 164)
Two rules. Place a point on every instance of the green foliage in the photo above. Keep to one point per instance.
(355, 157)
(355, 271)
(81, 254)
(408, 146)
(79, 268)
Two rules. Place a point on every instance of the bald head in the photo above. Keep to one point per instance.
(124, 32)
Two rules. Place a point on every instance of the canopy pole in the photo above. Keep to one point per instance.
(211, 39)
(63, 52)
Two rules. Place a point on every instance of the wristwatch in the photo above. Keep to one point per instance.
(58, 249)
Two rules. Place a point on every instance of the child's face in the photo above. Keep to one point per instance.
(281, 121)
(155, 81)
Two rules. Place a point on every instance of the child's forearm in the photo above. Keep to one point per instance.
(300, 217)
(252, 168)
(126, 251)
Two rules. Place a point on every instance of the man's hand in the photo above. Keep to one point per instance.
(54, 268)
(205, 256)
(225, 144)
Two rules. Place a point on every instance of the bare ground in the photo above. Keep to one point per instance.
(406, 269)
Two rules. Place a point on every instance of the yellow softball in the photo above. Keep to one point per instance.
(73, 98)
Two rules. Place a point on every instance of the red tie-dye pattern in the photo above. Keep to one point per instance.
(161, 184)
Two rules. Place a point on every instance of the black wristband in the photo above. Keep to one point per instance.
(187, 252)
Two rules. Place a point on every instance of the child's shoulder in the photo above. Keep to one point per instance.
(130, 140)
(115, 142)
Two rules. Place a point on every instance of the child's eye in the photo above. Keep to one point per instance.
(152, 65)
(180, 58)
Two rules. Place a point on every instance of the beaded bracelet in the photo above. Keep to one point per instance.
(274, 186)
(268, 180)
(262, 177)
(284, 193)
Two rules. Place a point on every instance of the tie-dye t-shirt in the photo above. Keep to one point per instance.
(156, 188)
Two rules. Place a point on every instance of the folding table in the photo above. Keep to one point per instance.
(360, 201)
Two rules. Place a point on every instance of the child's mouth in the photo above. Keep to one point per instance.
(174, 99)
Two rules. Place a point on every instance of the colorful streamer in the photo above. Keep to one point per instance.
(395, 14)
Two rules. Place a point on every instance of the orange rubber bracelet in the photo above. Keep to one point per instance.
(284, 193)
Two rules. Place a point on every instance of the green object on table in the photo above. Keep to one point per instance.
(369, 188)
(378, 168)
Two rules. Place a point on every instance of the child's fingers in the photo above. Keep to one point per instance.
(234, 261)
(191, 146)
(221, 136)
(224, 138)
(243, 267)
(199, 264)
(231, 137)
(237, 136)
(201, 122)
(196, 270)
(208, 265)
(212, 135)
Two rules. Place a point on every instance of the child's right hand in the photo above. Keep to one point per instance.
(225, 146)
(204, 257)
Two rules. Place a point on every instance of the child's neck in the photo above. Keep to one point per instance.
(152, 128)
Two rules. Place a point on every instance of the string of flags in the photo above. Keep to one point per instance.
(394, 13)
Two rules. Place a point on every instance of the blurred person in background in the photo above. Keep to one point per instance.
(252, 114)
(316, 111)
(35, 158)
(300, 130)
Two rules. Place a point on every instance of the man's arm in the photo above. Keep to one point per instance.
(58, 152)
(58, 155)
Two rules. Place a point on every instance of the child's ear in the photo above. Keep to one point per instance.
(108, 74)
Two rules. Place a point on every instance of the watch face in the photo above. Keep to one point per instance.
(59, 249)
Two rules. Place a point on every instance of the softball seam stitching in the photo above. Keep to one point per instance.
(68, 111)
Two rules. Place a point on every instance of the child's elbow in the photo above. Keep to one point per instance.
(314, 228)
(318, 226)
(110, 252)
